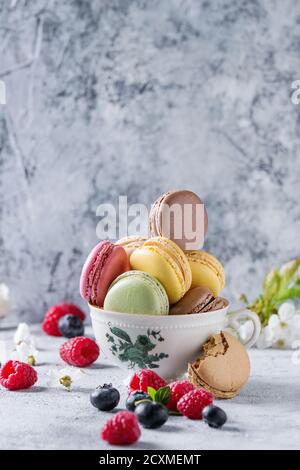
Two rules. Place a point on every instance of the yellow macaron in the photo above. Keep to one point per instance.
(163, 259)
(207, 271)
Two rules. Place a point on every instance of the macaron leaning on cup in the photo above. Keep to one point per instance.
(105, 262)
(181, 216)
(163, 259)
(207, 271)
(137, 292)
(223, 366)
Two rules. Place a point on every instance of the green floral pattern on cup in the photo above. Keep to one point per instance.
(136, 353)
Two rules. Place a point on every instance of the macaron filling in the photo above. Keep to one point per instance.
(176, 258)
(216, 304)
(163, 220)
(201, 306)
(154, 215)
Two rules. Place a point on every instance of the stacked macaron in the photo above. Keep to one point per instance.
(160, 275)
(164, 260)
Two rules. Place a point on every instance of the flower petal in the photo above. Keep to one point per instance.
(286, 311)
(265, 339)
(22, 334)
(274, 321)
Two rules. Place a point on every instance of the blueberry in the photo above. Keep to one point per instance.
(105, 397)
(151, 415)
(134, 397)
(70, 326)
(214, 416)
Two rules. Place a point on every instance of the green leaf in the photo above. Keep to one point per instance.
(152, 392)
(174, 413)
(272, 284)
(297, 282)
(288, 270)
(163, 395)
(120, 334)
(291, 293)
(279, 285)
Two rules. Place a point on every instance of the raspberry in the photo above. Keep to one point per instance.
(80, 351)
(178, 389)
(192, 403)
(50, 323)
(16, 375)
(145, 378)
(122, 429)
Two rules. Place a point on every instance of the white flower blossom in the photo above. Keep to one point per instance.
(4, 301)
(22, 334)
(265, 339)
(286, 311)
(25, 353)
(283, 328)
(65, 377)
(21, 349)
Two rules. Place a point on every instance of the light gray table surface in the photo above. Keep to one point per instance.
(265, 415)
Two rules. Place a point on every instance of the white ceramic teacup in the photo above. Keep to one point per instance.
(163, 343)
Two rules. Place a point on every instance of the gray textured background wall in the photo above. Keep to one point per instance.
(109, 97)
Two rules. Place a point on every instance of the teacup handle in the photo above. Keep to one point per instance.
(234, 318)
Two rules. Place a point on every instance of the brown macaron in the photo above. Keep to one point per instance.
(194, 301)
(187, 229)
(198, 300)
(223, 367)
(216, 304)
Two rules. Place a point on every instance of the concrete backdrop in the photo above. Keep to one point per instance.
(109, 97)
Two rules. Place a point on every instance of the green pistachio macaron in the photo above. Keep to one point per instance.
(137, 292)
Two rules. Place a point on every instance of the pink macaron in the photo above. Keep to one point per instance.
(105, 262)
